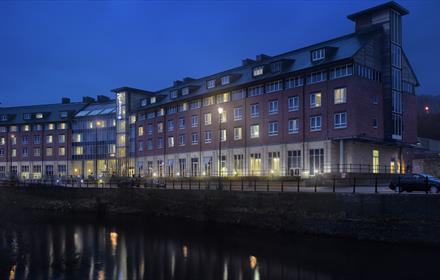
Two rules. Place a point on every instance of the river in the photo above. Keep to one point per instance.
(58, 247)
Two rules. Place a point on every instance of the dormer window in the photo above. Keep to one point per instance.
(275, 67)
(64, 114)
(318, 54)
(173, 94)
(210, 84)
(153, 100)
(185, 91)
(143, 102)
(38, 115)
(26, 116)
(258, 71)
(226, 80)
(4, 118)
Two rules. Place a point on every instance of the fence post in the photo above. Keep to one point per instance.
(230, 185)
(334, 183)
(242, 184)
(354, 184)
(267, 185)
(255, 185)
(398, 183)
(199, 184)
(315, 183)
(190, 183)
(297, 184)
(375, 184)
(427, 184)
(282, 185)
(181, 183)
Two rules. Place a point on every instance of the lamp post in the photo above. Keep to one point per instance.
(220, 112)
(10, 153)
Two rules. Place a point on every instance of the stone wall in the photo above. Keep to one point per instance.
(396, 218)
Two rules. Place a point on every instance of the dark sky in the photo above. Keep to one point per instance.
(77, 48)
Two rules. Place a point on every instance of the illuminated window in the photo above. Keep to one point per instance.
(61, 138)
(238, 134)
(76, 138)
(274, 163)
(160, 127)
(49, 152)
(208, 118)
(51, 126)
(140, 130)
(62, 126)
(26, 127)
(210, 84)
(208, 101)
(223, 118)
(223, 135)
(258, 71)
(255, 131)
(39, 116)
(49, 139)
(375, 161)
(78, 151)
(340, 95)
(315, 100)
(223, 98)
(255, 164)
(170, 141)
(61, 151)
(14, 152)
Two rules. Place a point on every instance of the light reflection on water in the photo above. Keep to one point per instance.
(168, 249)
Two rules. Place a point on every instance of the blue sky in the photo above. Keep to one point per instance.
(77, 48)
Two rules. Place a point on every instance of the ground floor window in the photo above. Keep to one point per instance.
(149, 168)
(222, 164)
(238, 164)
(274, 163)
(194, 166)
(49, 170)
(160, 168)
(170, 167)
(14, 170)
(316, 161)
(207, 166)
(375, 161)
(255, 164)
(293, 162)
(62, 169)
(182, 166)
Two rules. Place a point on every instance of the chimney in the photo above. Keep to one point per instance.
(247, 61)
(65, 100)
(262, 57)
(88, 99)
(102, 98)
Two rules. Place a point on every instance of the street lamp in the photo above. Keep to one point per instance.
(220, 112)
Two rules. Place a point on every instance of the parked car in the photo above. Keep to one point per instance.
(416, 182)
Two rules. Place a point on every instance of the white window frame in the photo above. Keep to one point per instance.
(293, 126)
(340, 95)
(273, 128)
(255, 131)
(238, 113)
(340, 120)
(315, 123)
(273, 107)
(313, 100)
(258, 71)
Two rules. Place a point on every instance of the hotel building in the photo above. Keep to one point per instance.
(344, 105)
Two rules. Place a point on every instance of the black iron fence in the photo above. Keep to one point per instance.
(358, 183)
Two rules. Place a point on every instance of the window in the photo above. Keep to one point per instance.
(208, 118)
(194, 138)
(316, 77)
(150, 115)
(143, 102)
(49, 139)
(293, 126)
(172, 110)
(160, 112)
(2, 140)
(294, 82)
(194, 121)
(62, 138)
(275, 67)
(64, 114)
(150, 129)
(208, 101)
(37, 138)
(274, 163)
(273, 107)
(375, 161)
(223, 135)
(153, 99)
(293, 103)
(340, 95)
(49, 152)
(223, 118)
(50, 126)
(4, 117)
(238, 94)
(196, 104)
(160, 127)
(149, 144)
(238, 113)
(341, 71)
(208, 136)
(13, 128)
(293, 162)
(13, 140)
(77, 151)
(37, 151)
(26, 116)
(62, 126)
(170, 141)
(274, 86)
(223, 98)
(315, 123)
(26, 127)
(24, 152)
(255, 110)
(160, 143)
(273, 128)
(207, 166)
(340, 120)
(255, 164)
(316, 161)
(318, 54)
(14, 152)
(315, 100)
(185, 91)
(140, 130)
(3, 129)
(181, 123)
(375, 123)
(38, 115)
(225, 80)
(238, 164)
(170, 125)
(182, 140)
(256, 90)
(61, 151)
(258, 71)
(210, 84)
(2, 153)
(183, 107)
(255, 131)
(238, 133)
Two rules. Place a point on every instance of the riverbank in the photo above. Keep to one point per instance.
(391, 218)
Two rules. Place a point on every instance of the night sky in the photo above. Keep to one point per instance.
(54, 49)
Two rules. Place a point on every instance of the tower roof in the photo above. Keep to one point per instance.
(388, 5)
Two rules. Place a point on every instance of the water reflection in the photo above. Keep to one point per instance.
(168, 249)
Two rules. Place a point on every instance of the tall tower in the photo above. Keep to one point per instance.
(389, 17)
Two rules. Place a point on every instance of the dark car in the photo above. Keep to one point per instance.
(416, 182)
